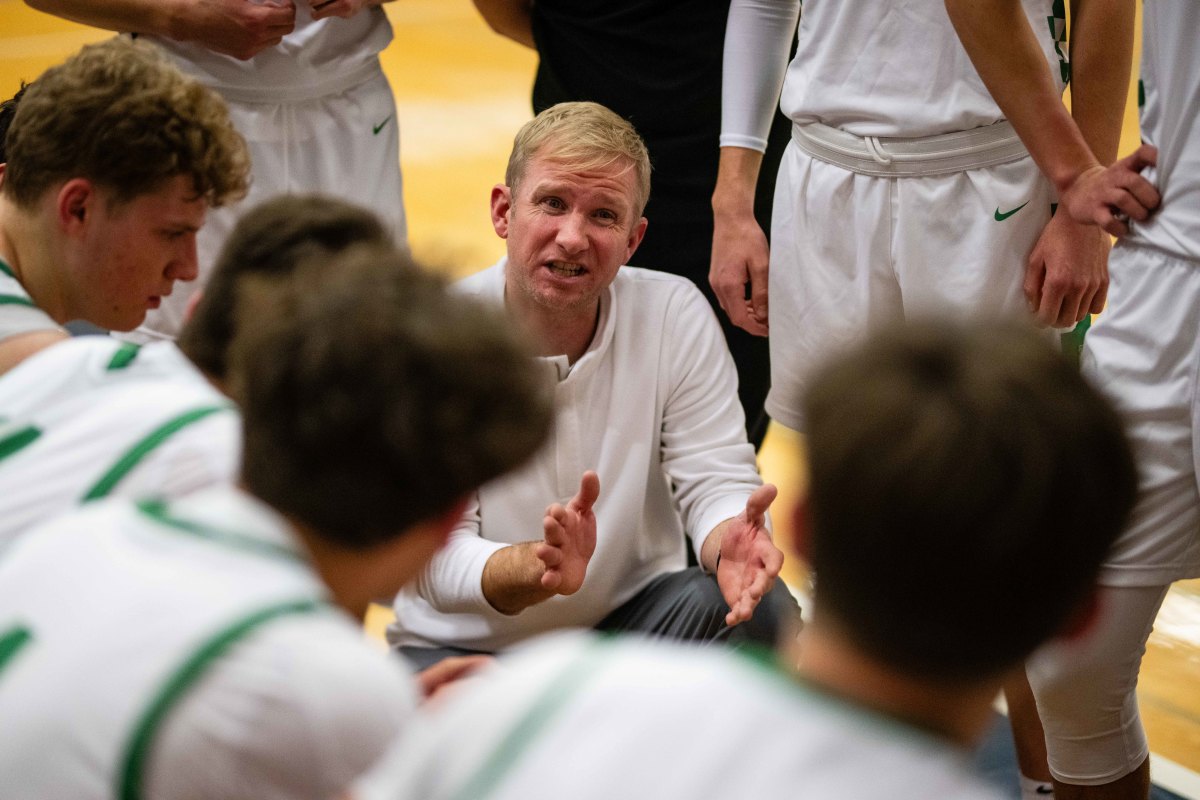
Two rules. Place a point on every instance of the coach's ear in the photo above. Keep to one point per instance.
(75, 202)
(501, 208)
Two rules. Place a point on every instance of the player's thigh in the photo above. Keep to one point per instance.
(348, 145)
(1085, 689)
(963, 240)
(831, 272)
(1144, 354)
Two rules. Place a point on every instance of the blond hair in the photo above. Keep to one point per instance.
(582, 136)
(119, 114)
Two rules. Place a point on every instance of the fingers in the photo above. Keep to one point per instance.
(1100, 299)
(1035, 276)
(758, 293)
(758, 503)
(589, 492)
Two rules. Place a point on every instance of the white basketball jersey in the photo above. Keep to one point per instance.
(1170, 80)
(314, 56)
(119, 610)
(18, 313)
(897, 68)
(91, 417)
(583, 717)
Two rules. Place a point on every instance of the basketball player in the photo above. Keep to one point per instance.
(1143, 353)
(114, 157)
(91, 417)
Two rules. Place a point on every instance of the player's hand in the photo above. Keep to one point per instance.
(432, 681)
(1066, 277)
(235, 27)
(1109, 196)
(339, 8)
(750, 561)
(569, 538)
(739, 256)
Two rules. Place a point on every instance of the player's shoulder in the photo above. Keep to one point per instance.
(302, 705)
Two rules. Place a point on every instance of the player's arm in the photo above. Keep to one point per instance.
(234, 27)
(510, 18)
(1002, 46)
(521, 575)
(758, 37)
(16, 349)
(1067, 273)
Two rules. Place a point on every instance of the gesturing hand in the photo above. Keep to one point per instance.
(1109, 196)
(749, 560)
(570, 538)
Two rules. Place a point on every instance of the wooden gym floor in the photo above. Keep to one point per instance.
(462, 93)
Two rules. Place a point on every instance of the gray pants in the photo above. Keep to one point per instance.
(685, 605)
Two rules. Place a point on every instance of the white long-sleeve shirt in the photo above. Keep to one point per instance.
(652, 407)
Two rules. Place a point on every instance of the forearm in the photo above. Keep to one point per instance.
(1101, 41)
(512, 579)
(1002, 46)
(140, 16)
(737, 177)
(510, 18)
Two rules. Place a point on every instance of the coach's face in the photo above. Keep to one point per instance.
(568, 231)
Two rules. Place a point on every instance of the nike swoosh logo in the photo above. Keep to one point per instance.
(375, 129)
(1001, 217)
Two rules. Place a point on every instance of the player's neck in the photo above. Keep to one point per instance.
(959, 712)
(30, 253)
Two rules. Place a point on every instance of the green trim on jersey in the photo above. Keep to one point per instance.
(521, 735)
(157, 511)
(139, 451)
(124, 356)
(132, 775)
(13, 442)
(13, 641)
(15, 300)
(7, 270)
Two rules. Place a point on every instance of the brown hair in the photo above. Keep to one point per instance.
(966, 484)
(119, 114)
(272, 238)
(373, 398)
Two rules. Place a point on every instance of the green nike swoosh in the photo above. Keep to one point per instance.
(1001, 217)
(375, 129)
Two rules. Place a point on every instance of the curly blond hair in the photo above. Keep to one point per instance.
(583, 136)
(121, 115)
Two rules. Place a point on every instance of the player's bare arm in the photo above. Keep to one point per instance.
(745, 560)
(234, 27)
(739, 252)
(997, 37)
(1067, 273)
(529, 573)
(509, 18)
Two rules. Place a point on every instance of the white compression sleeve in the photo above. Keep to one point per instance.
(758, 39)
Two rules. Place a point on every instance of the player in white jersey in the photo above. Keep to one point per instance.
(304, 87)
(374, 401)
(92, 417)
(114, 158)
(1144, 353)
(904, 189)
(945, 459)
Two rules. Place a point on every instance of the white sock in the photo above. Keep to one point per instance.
(1032, 789)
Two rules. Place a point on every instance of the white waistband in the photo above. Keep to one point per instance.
(896, 157)
(308, 91)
